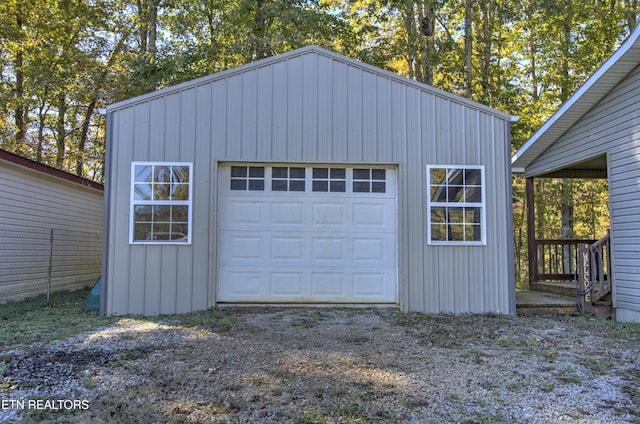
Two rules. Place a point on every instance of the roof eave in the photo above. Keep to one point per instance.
(46, 169)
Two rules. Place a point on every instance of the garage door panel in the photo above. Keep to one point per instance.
(371, 249)
(370, 215)
(242, 285)
(287, 248)
(288, 213)
(369, 284)
(307, 286)
(242, 214)
(287, 284)
(323, 247)
(328, 215)
(328, 285)
(328, 249)
(241, 249)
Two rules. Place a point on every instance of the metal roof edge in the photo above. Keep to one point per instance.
(419, 85)
(46, 169)
(596, 77)
(209, 78)
(300, 52)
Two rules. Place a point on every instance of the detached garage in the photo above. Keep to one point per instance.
(307, 178)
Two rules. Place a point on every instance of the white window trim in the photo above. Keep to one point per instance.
(133, 203)
(482, 205)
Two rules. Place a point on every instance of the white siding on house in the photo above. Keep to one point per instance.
(33, 207)
(310, 106)
(612, 127)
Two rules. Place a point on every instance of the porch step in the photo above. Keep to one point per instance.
(535, 302)
(602, 309)
(538, 302)
(562, 288)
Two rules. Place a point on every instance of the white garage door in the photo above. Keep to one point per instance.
(298, 233)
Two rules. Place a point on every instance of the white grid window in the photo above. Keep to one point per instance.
(247, 178)
(287, 179)
(369, 180)
(329, 179)
(160, 203)
(455, 205)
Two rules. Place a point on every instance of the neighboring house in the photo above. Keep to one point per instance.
(307, 178)
(596, 134)
(50, 229)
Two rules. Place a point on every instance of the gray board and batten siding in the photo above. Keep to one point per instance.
(307, 108)
(600, 125)
(50, 229)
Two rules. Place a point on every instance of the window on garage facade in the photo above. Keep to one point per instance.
(161, 194)
(455, 205)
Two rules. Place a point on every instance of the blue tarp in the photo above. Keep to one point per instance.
(92, 303)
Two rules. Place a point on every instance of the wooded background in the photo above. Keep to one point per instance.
(63, 60)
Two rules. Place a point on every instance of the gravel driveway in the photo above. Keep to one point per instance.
(329, 366)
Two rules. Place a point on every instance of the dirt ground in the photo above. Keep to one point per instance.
(313, 365)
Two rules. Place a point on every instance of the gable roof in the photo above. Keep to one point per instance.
(46, 169)
(610, 74)
(300, 52)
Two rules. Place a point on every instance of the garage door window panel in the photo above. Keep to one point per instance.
(287, 179)
(247, 178)
(160, 203)
(369, 181)
(329, 180)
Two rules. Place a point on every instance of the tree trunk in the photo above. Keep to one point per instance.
(428, 49)
(20, 113)
(143, 28)
(567, 221)
(539, 211)
(411, 51)
(83, 138)
(485, 77)
(260, 45)
(153, 26)
(533, 72)
(148, 30)
(532, 254)
(566, 90)
(565, 87)
(42, 116)
(631, 15)
(468, 47)
(60, 130)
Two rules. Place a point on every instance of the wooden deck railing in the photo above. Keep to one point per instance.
(585, 262)
(555, 260)
(601, 267)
